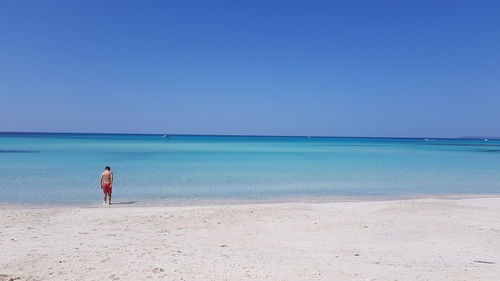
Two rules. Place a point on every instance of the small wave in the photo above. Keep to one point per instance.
(18, 151)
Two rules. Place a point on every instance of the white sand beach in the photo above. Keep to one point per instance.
(418, 239)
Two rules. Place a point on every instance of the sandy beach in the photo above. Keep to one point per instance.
(417, 239)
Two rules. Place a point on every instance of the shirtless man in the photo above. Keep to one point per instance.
(107, 184)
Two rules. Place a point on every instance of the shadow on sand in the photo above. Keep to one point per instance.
(123, 203)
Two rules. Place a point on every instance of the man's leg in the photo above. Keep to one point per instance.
(109, 199)
(105, 197)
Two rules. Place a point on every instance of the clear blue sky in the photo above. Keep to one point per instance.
(343, 68)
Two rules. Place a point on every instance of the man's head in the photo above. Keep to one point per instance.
(107, 168)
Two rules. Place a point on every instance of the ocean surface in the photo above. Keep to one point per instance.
(65, 168)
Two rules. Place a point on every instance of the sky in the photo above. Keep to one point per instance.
(427, 68)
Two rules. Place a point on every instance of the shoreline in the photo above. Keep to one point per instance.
(247, 201)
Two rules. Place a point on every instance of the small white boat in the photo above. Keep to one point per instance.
(485, 139)
(165, 136)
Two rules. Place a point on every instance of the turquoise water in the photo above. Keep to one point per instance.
(65, 168)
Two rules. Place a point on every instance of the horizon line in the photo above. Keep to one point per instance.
(250, 135)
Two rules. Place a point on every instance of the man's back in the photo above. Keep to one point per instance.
(107, 176)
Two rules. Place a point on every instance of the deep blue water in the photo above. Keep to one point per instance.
(65, 168)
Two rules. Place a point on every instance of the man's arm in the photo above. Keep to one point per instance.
(111, 178)
(100, 180)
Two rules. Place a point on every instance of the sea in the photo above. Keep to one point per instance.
(65, 167)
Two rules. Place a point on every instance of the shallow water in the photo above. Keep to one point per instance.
(65, 168)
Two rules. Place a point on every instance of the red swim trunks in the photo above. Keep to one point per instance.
(106, 188)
